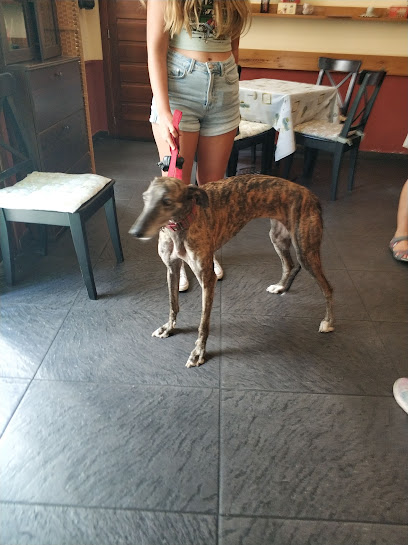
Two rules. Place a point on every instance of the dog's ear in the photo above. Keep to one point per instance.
(199, 195)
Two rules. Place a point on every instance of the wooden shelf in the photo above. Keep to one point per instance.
(308, 60)
(331, 13)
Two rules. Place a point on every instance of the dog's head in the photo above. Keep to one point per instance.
(166, 199)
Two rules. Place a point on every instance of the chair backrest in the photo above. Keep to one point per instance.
(12, 143)
(328, 67)
(369, 83)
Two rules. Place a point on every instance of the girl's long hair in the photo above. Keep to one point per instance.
(232, 17)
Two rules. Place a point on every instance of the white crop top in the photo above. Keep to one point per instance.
(202, 38)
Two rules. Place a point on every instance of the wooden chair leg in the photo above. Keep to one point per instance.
(338, 155)
(268, 153)
(43, 232)
(78, 233)
(112, 220)
(6, 249)
(253, 154)
(310, 162)
(287, 163)
(352, 167)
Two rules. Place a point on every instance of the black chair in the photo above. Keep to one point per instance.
(339, 138)
(250, 135)
(47, 198)
(329, 70)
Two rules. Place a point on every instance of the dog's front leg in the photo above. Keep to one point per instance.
(207, 280)
(173, 276)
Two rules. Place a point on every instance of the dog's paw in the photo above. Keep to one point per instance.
(196, 358)
(325, 327)
(163, 331)
(275, 288)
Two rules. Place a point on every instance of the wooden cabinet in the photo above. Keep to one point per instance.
(28, 30)
(50, 100)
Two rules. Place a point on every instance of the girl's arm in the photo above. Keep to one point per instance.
(157, 46)
(235, 48)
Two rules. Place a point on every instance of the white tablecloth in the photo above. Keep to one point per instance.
(285, 104)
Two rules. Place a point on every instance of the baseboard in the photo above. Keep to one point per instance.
(100, 134)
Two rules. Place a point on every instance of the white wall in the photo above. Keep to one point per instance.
(91, 33)
(330, 36)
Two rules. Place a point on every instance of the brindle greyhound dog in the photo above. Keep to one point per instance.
(193, 222)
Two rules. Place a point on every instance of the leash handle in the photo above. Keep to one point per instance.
(174, 170)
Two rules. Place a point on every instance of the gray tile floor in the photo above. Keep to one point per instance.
(285, 436)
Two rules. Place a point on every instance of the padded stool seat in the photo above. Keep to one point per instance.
(52, 191)
(322, 129)
(54, 198)
(251, 128)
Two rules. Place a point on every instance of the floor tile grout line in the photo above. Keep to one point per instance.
(312, 519)
(275, 316)
(203, 387)
(311, 318)
(132, 384)
(202, 513)
(40, 364)
(107, 508)
(299, 392)
(217, 534)
(360, 296)
(15, 409)
(332, 241)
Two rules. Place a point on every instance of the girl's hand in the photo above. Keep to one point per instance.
(168, 131)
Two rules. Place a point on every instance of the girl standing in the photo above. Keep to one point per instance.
(192, 50)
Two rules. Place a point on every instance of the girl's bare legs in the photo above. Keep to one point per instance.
(213, 153)
(212, 158)
(402, 221)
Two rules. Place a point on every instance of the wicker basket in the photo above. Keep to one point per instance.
(71, 45)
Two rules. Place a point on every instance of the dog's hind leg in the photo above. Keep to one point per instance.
(311, 261)
(281, 241)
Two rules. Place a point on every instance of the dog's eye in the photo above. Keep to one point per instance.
(166, 202)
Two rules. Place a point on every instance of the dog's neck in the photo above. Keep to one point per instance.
(184, 223)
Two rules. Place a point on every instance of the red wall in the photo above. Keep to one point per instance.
(387, 127)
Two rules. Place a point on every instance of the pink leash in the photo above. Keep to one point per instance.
(175, 171)
(176, 161)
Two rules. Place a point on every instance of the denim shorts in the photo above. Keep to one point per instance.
(207, 93)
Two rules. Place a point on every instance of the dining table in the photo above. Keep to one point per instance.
(285, 104)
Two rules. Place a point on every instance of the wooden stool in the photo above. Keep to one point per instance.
(50, 198)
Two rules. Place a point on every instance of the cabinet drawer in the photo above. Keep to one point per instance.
(64, 144)
(56, 93)
(82, 166)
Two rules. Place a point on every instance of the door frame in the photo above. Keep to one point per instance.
(109, 38)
